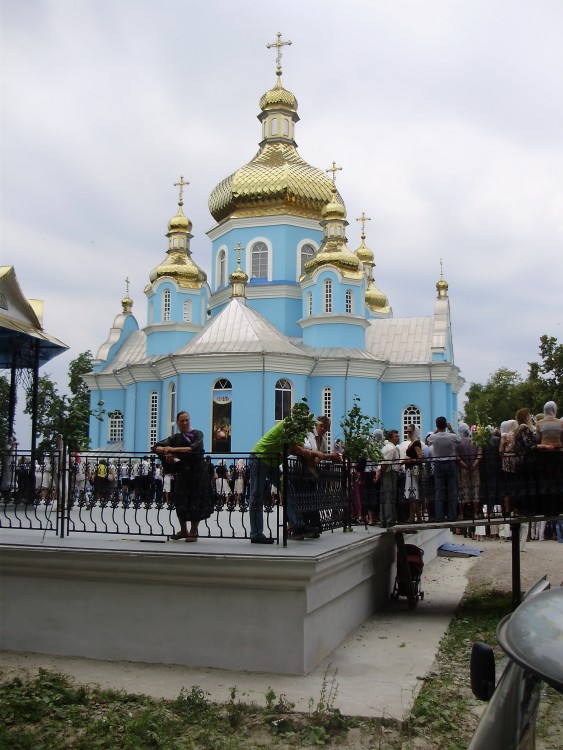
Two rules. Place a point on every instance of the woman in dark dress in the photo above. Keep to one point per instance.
(183, 455)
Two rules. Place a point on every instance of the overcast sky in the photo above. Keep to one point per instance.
(446, 116)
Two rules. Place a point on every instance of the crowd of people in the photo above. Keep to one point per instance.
(468, 474)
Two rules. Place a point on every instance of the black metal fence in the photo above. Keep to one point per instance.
(129, 495)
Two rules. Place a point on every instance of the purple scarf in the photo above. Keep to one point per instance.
(188, 437)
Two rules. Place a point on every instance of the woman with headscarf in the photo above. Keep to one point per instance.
(468, 458)
(413, 463)
(508, 463)
(525, 445)
(239, 473)
(549, 433)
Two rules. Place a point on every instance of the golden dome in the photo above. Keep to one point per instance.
(375, 299)
(238, 275)
(278, 98)
(126, 304)
(179, 266)
(364, 253)
(277, 180)
(442, 287)
(179, 223)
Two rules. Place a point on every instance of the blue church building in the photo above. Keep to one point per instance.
(289, 312)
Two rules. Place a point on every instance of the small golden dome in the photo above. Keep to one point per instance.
(238, 275)
(126, 304)
(442, 287)
(333, 209)
(179, 266)
(375, 299)
(278, 98)
(179, 223)
(364, 253)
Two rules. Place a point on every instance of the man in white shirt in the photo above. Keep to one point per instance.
(388, 471)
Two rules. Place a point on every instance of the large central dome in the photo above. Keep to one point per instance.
(277, 180)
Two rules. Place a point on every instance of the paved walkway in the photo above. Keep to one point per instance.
(377, 669)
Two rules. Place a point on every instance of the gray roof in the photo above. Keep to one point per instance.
(239, 329)
(401, 340)
(131, 352)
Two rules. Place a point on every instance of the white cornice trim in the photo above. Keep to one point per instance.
(329, 319)
(262, 221)
(172, 326)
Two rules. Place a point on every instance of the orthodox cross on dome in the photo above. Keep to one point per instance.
(441, 268)
(334, 169)
(363, 218)
(127, 282)
(181, 186)
(238, 250)
(279, 44)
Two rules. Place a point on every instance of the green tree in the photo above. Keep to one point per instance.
(357, 429)
(4, 416)
(506, 391)
(60, 414)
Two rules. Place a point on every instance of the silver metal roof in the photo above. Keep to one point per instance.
(401, 340)
(239, 329)
(131, 352)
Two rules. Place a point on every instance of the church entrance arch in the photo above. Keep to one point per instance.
(221, 418)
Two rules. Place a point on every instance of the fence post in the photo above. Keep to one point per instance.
(283, 495)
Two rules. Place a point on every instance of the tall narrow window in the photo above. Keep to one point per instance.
(187, 311)
(327, 410)
(222, 275)
(328, 296)
(259, 261)
(166, 305)
(171, 408)
(116, 427)
(222, 407)
(309, 303)
(153, 418)
(348, 301)
(285, 126)
(307, 252)
(274, 126)
(411, 415)
(283, 399)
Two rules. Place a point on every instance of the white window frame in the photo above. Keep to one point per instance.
(411, 415)
(327, 289)
(248, 256)
(280, 387)
(187, 311)
(115, 427)
(303, 244)
(153, 418)
(349, 302)
(166, 305)
(327, 411)
(171, 408)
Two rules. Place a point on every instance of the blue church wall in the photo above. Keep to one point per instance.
(112, 401)
(327, 334)
(164, 342)
(281, 313)
(283, 241)
(396, 397)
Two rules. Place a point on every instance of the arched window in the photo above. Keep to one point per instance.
(171, 408)
(274, 126)
(187, 316)
(284, 394)
(328, 296)
(309, 303)
(285, 126)
(348, 301)
(222, 269)
(153, 418)
(411, 415)
(221, 415)
(166, 305)
(115, 427)
(307, 252)
(327, 410)
(259, 263)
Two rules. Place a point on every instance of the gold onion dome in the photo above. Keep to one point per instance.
(278, 98)
(364, 253)
(333, 250)
(179, 223)
(238, 275)
(442, 284)
(375, 299)
(126, 304)
(277, 180)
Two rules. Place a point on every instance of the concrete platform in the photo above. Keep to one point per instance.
(217, 603)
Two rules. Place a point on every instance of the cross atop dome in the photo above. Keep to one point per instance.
(181, 186)
(278, 45)
(334, 169)
(363, 218)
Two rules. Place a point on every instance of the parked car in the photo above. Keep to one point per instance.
(532, 638)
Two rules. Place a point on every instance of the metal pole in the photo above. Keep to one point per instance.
(516, 580)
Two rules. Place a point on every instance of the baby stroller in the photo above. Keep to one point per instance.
(416, 566)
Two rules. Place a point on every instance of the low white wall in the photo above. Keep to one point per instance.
(281, 614)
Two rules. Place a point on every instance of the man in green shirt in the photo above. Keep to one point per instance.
(265, 459)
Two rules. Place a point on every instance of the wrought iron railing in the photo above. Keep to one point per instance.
(128, 495)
